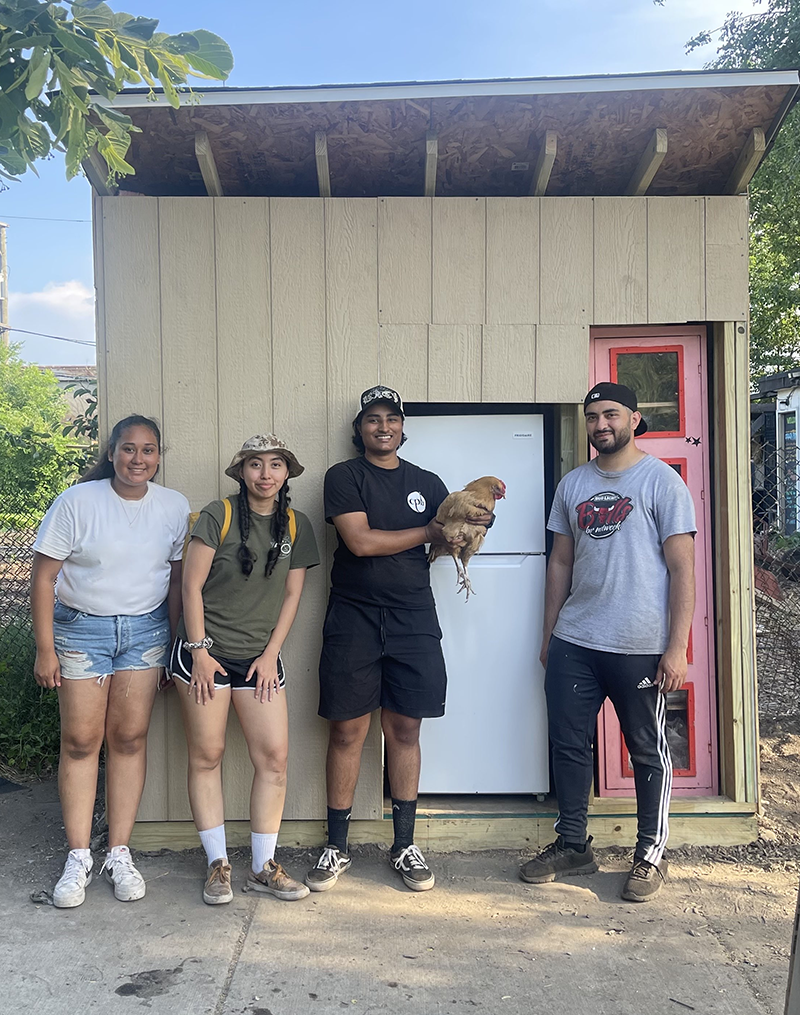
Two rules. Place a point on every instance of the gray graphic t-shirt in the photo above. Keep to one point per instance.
(619, 600)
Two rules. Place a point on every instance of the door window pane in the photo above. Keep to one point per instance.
(654, 376)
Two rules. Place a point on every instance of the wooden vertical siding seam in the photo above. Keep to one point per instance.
(100, 314)
(214, 254)
(161, 333)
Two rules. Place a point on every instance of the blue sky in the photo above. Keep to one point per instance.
(321, 43)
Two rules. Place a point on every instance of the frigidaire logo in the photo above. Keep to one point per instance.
(602, 515)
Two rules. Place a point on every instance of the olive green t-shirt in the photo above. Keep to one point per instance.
(241, 611)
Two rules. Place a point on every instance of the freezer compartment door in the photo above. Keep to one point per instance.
(493, 737)
(511, 447)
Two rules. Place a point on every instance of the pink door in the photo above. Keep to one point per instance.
(667, 369)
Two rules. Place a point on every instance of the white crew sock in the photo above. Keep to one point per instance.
(213, 840)
(262, 846)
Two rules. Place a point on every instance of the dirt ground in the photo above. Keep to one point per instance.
(744, 897)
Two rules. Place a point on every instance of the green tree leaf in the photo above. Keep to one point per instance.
(73, 47)
(213, 58)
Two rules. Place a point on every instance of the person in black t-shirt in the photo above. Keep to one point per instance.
(381, 639)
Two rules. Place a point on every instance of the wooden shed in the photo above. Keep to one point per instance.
(470, 242)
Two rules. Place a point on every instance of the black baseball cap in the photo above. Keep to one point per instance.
(380, 393)
(607, 391)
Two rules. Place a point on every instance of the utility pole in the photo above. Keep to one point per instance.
(3, 285)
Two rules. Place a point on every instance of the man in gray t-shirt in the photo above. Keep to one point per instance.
(618, 609)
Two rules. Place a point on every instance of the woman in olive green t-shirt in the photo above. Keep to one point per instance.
(242, 581)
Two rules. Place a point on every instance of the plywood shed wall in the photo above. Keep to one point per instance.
(233, 316)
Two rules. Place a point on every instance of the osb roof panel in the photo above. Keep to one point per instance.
(377, 146)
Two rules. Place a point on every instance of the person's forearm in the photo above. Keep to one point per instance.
(383, 543)
(681, 606)
(291, 603)
(42, 602)
(193, 614)
(556, 590)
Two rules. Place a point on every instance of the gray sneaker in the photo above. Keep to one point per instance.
(644, 880)
(325, 872)
(274, 880)
(217, 889)
(557, 859)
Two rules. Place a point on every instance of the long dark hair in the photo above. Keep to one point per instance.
(103, 468)
(278, 529)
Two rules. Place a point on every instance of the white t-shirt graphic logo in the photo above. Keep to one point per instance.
(416, 502)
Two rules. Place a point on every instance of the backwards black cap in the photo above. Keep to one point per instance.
(607, 391)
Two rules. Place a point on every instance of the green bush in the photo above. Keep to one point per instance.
(29, 722)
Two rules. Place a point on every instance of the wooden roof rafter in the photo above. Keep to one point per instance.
(438, 139)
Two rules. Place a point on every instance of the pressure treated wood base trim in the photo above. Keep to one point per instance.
(466, 834)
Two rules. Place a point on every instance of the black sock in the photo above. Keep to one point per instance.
(404, 813)
(578, 847)
(338, 827)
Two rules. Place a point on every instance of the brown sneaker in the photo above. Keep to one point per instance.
(217, 889)
(274, 880)
(644, 880)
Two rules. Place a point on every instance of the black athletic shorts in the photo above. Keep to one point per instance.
(180, 667)
(380, 657)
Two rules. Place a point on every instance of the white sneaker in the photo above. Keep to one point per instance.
(127, 881)
(70, 889)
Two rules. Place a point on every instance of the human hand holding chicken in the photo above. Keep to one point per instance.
(462, 516)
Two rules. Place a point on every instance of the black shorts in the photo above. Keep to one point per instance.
(380, 657)
(180, 667)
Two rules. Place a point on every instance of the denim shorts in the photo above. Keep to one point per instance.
(90, 647)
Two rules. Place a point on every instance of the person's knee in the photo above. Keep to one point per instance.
(79, 746)
(348, 735)
(206, 757)
(401, 730)
(271, 762)
(126, 740)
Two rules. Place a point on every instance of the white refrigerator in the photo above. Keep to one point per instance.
(493, 737)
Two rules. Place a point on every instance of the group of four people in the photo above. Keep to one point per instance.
(131, 600)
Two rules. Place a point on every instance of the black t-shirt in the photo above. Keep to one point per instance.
(401, 498)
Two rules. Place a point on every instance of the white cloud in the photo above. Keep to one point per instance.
(72, 299)
(64, 309)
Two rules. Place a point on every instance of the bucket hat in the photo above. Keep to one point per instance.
(264, 444)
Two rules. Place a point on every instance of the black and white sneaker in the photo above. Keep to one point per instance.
(325, 872)
(416, 873)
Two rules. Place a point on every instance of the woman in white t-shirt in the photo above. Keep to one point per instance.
(113, 542)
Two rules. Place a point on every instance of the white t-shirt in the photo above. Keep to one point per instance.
(116, 552)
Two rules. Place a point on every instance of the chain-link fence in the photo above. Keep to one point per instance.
(18, 527)
(776, 538)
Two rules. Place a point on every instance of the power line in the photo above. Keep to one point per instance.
(39, 218)
(41, 334)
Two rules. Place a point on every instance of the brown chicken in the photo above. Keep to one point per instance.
(465, 539)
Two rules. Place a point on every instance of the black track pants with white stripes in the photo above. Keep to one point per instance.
(577, 683)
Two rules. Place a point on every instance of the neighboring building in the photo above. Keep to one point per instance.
(81, 376)
(489, 244)
(781, 471)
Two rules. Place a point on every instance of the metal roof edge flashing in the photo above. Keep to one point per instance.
(511, 87)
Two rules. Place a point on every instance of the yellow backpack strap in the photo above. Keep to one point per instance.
(292, 526)
(226, 521)
(223, 532)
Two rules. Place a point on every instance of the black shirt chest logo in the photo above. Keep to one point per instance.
(603, 514)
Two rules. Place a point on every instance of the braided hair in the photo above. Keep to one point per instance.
(279, 528)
